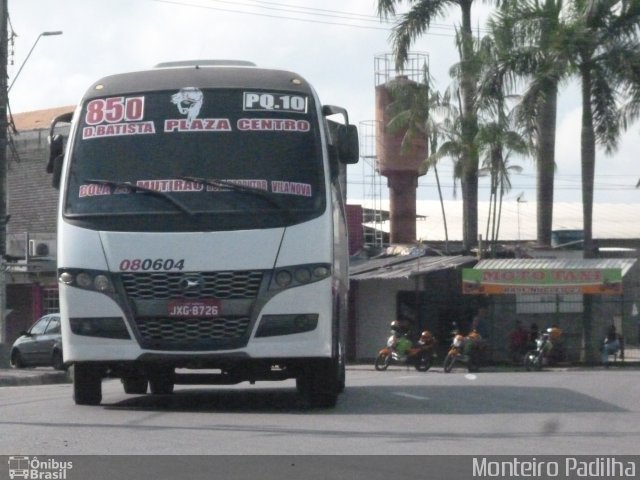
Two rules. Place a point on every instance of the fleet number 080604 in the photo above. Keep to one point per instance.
(146, 264)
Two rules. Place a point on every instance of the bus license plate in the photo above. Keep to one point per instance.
(194, 308)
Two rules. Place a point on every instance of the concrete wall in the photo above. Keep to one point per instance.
(375, 309)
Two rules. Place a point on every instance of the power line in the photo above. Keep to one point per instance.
(310, 13)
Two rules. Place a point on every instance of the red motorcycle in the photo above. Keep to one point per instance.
(400, 350)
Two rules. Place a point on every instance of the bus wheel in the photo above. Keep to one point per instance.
(135, 385)
(87, 384)
(319, 384)
(162, 381)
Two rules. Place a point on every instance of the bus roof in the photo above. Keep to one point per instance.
(199, 76)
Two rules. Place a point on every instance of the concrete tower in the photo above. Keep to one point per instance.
(400, 166)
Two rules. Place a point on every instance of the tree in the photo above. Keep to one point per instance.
(604, 43)
(410, 26)
(497, 140)
(528, 36)
(603, 40)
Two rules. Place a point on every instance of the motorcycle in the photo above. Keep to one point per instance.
(464, 350)
(400, 350)
(548, 350)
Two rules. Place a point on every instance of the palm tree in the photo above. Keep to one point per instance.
(497, 143)
(496, 138)
(604, 40)
(410, 26)
(528, 34)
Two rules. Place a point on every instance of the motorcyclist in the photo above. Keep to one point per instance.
(556, 344)
(400, 331)
(518, 343)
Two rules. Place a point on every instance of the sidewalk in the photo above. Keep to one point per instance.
(10, 377)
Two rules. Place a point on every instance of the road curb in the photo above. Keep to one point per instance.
(24, 377)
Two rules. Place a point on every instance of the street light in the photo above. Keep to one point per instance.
(43, 34)
(519, 199)
(3, 160)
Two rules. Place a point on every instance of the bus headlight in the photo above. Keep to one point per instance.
(102, 283)
(87, 280)
(283, 278)
(83, 280)
(297, 275)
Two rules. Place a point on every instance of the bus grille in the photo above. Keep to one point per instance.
(190, 333)
(167, 285)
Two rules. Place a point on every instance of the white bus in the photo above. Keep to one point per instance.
(201, 231)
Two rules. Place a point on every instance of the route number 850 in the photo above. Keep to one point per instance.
(114, 110)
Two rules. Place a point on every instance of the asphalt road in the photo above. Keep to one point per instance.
(400, 411)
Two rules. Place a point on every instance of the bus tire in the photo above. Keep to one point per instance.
(87, 384)
(135, 385)
(162, 381)
(319, 383)
(342, 376)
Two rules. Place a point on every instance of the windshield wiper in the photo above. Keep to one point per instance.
(264, 195)
(137, 188)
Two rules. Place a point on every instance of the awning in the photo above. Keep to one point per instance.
(546, 276)
(406, 266)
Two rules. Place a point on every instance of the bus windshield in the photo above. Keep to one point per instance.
(194, 159)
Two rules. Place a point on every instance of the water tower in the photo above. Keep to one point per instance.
(400, 165)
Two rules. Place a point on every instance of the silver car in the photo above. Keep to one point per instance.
(40, 346)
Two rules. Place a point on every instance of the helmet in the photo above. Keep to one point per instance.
(426, 337)
(474, 335)
(399, 326)
(554, 332)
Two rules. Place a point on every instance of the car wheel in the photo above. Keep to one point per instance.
(16, 359)
(56, 360)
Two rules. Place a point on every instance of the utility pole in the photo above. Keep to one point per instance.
(4, 13)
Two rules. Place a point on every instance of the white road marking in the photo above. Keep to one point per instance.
(409, 395)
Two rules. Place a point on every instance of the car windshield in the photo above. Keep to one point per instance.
(196, 159)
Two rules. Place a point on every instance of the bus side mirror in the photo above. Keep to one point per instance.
(345, 135)
(349, 147)
(56, 149)
(56, 156)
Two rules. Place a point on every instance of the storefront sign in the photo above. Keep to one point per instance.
(600, 281)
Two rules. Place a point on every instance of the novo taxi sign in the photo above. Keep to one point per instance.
(542, 281)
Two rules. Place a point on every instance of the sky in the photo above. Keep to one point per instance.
(332, 43)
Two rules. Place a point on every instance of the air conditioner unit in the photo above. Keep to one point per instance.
(42, 248)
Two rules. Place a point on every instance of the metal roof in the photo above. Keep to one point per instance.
(556, 263)
(405, 266)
